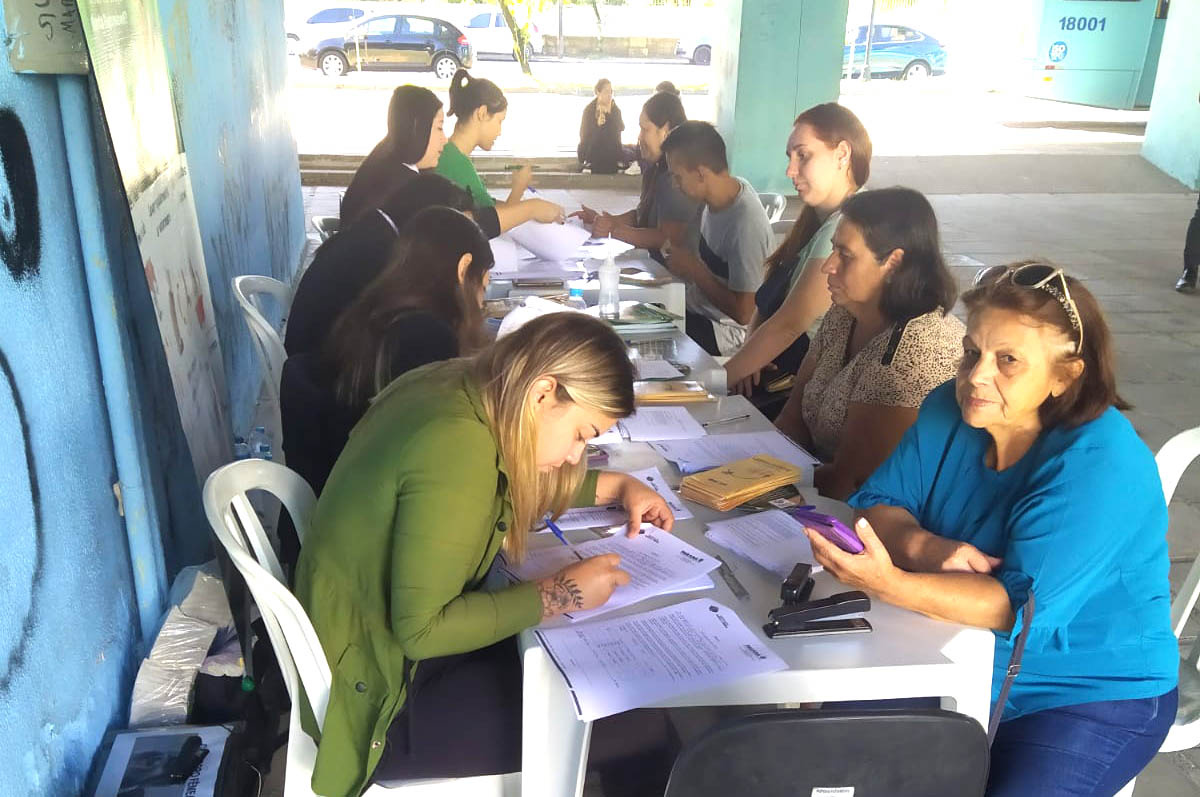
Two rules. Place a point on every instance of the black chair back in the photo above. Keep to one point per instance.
(883, 753)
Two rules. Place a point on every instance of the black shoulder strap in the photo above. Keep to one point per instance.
(1014, 668)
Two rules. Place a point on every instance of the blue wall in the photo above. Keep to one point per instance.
(69, 643)
(1172, 141)
(228, 66)
(67, 628)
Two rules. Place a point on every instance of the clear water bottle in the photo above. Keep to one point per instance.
(260, 443)
(241, 449)
(575, 299)
(610, 294)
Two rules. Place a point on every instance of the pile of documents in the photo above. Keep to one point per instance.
(702, 453)
(661, 423)
(676, 392)
(658, 563)
(615, 665)
(606, 517)
(773, 540)
(727, 486)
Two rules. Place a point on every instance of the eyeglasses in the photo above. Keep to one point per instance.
(1038, 276)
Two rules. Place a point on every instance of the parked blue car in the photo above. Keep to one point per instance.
(896, 51)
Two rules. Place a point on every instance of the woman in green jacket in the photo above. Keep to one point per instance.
(453, 462)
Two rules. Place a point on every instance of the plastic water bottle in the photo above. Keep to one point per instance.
(610, 294)
(575, 299)
(241, 449)
(260, 443)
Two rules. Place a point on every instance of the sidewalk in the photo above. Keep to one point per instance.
(1112, 221)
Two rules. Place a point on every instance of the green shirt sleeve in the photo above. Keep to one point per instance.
(457, 167)
(586, 494)
(445, 513)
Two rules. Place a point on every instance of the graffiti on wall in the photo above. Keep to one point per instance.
(20, 256)
(20, 226)
(23, 529)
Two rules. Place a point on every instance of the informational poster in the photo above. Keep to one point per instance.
(164, 219)
(124, 38)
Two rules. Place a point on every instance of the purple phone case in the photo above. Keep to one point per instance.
(830, 528)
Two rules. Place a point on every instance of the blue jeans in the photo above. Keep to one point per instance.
(1091, 749)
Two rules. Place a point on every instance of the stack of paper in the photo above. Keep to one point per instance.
(630, 662)
(656, 369)
(592, 517)
(553, 242)
(601, 248)
(670, 392)
(658, 564)
(703, 453)
(727, 486)
(661, 423)
(772, 539)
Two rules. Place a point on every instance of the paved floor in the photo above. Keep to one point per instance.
(1124, 238)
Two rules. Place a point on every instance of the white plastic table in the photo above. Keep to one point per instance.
(906, 655)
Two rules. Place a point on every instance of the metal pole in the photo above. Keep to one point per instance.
(561, 48)
(866, 75)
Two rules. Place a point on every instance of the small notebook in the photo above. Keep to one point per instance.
(727, 486)
(674, 392)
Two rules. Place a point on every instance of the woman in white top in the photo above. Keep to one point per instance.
(829, 158)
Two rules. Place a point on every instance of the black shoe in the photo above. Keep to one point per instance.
(1187, 281)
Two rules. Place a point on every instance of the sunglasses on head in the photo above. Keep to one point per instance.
(1038, 276)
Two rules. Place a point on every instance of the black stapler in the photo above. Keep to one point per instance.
(833, 606)
(798, 585)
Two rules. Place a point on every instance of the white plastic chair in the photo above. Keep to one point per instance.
(297, 648)
(774, 204)
(326, 226)
(1173, 459)
(267, 341)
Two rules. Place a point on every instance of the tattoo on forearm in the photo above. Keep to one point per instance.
(559, 594)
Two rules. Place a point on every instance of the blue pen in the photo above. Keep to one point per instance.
(550, 524)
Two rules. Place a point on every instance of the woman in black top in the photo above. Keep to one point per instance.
(425, 306)
(600, 133)
(348, 261)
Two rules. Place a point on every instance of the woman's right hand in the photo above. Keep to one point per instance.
(546, 212)
(583, 585)
(521, 179)
(744, 386)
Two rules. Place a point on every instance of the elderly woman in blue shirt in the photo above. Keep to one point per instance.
(1022, 476)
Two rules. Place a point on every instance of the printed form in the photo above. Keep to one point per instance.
(616, 665)
(661, 423)
(589, 517)
(772, 539)
(658, 563)
(702, 453)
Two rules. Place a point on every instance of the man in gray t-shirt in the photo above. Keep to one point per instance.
(735, 239)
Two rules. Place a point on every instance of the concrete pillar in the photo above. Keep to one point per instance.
(773, 59)
(1172, 142)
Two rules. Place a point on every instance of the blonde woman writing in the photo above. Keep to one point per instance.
(452, 463)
